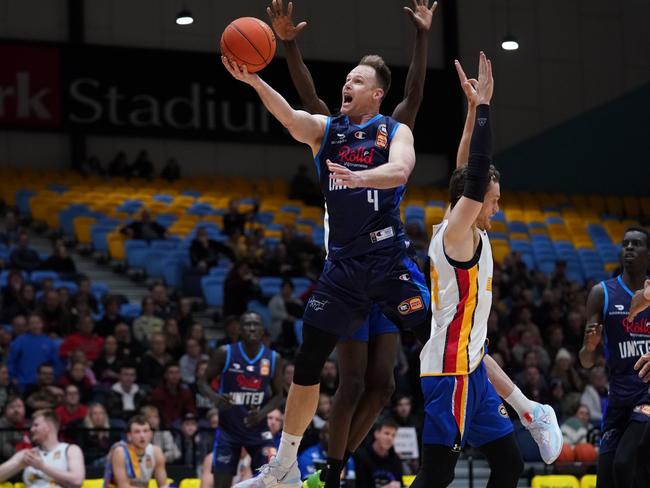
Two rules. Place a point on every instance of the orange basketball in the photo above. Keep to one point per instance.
(248, 41)
(585, 452)
(566, 454)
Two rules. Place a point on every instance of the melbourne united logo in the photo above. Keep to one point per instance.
(317, 305)
(381, 141)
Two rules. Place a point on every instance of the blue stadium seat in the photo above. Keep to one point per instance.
(165, 244)
(99, 289)
(38, 276)
(154, 263)
(270, 285)
(173, 271)
(135, 250)
(70, 285)
(212, 290)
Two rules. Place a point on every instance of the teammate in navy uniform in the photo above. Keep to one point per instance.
(363, 160)
(249, 388)
(623, 342)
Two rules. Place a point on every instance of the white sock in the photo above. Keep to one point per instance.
(288, 451)
(522, 405)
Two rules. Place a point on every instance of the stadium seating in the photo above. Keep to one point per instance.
(555, 481)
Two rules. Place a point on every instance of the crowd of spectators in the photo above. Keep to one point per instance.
(141, 167)
(97, 368)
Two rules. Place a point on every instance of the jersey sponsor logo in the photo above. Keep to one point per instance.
(360, 135)
(639, 326)
(224, 458)
(644, 409)
(381, 234)
(488, 287)
(340, 139)
(410, 305)
(317, 305)
(265, 367)
(381, 141)
(620, 307)
(266, 435)
(248, 383)
(405, 277)
(360, 155)
(236, 365)
(502, 411)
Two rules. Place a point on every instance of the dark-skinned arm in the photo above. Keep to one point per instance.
(275, 401)
(300, 75)
(594, 328)
(214, 369)
(407, 110)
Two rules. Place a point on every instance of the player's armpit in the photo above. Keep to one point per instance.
(308, 129)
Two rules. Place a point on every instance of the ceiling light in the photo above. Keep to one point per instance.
(510, 43)
(184, 17)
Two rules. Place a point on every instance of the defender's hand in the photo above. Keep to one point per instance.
(421, 14)
(282, 22)
(470, 87)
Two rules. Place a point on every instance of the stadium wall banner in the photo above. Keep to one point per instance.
(162, 93)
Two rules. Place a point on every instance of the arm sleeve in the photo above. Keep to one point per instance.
(480, 151)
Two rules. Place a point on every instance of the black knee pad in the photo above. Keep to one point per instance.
(316, 346)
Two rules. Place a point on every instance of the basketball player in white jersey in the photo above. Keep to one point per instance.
(461, 405)
(52, 463)
(134, 463)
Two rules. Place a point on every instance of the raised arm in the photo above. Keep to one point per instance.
(394, 173)
(215, 367)
(458, 236)
(470, 88)
(594, 328)
(302, 126)
(300, 75)
(421, 15)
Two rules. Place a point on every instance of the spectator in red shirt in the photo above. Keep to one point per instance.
(172, 398)
(71, 409)
(86, 340)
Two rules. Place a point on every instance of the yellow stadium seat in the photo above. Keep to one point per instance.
(407, 480)
(116, 246)
(6, 484)
(588, 481)
(19, 485)
(190, 483)
(94, 483)
(82, 226)
(154, 484)
(555, 481)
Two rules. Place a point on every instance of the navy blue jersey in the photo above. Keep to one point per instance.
(247, 382)
(624, 341)
(359, 220)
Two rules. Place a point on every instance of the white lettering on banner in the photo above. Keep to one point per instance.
(406, 443)
(30, 102)
(198, 111)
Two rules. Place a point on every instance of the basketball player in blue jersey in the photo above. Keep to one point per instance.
(249, 371)
(623, 342)
(364, 160)
(366, 376)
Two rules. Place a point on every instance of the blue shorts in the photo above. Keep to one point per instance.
(348, 287)
(376, 324)
(618, 417)
(461, 409)
(227, 450)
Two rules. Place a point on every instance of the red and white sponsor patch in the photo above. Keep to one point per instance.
(410, 305)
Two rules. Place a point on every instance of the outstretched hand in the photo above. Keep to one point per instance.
(485, 80)
(239, 72)
(282, 22)
(421, 14)
(470, 87)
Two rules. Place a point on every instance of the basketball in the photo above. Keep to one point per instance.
(566, 455)
(248, 41)
(585, 452)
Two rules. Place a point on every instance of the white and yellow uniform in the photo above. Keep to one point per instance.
(461, 298)
(139, 469)
(56, 458)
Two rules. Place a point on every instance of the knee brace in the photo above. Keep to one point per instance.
(316, 347)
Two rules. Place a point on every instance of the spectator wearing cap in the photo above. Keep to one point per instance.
(173, 399)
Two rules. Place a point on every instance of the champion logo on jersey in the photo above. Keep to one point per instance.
(360, 135)
(405, 277)
(250, 368)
